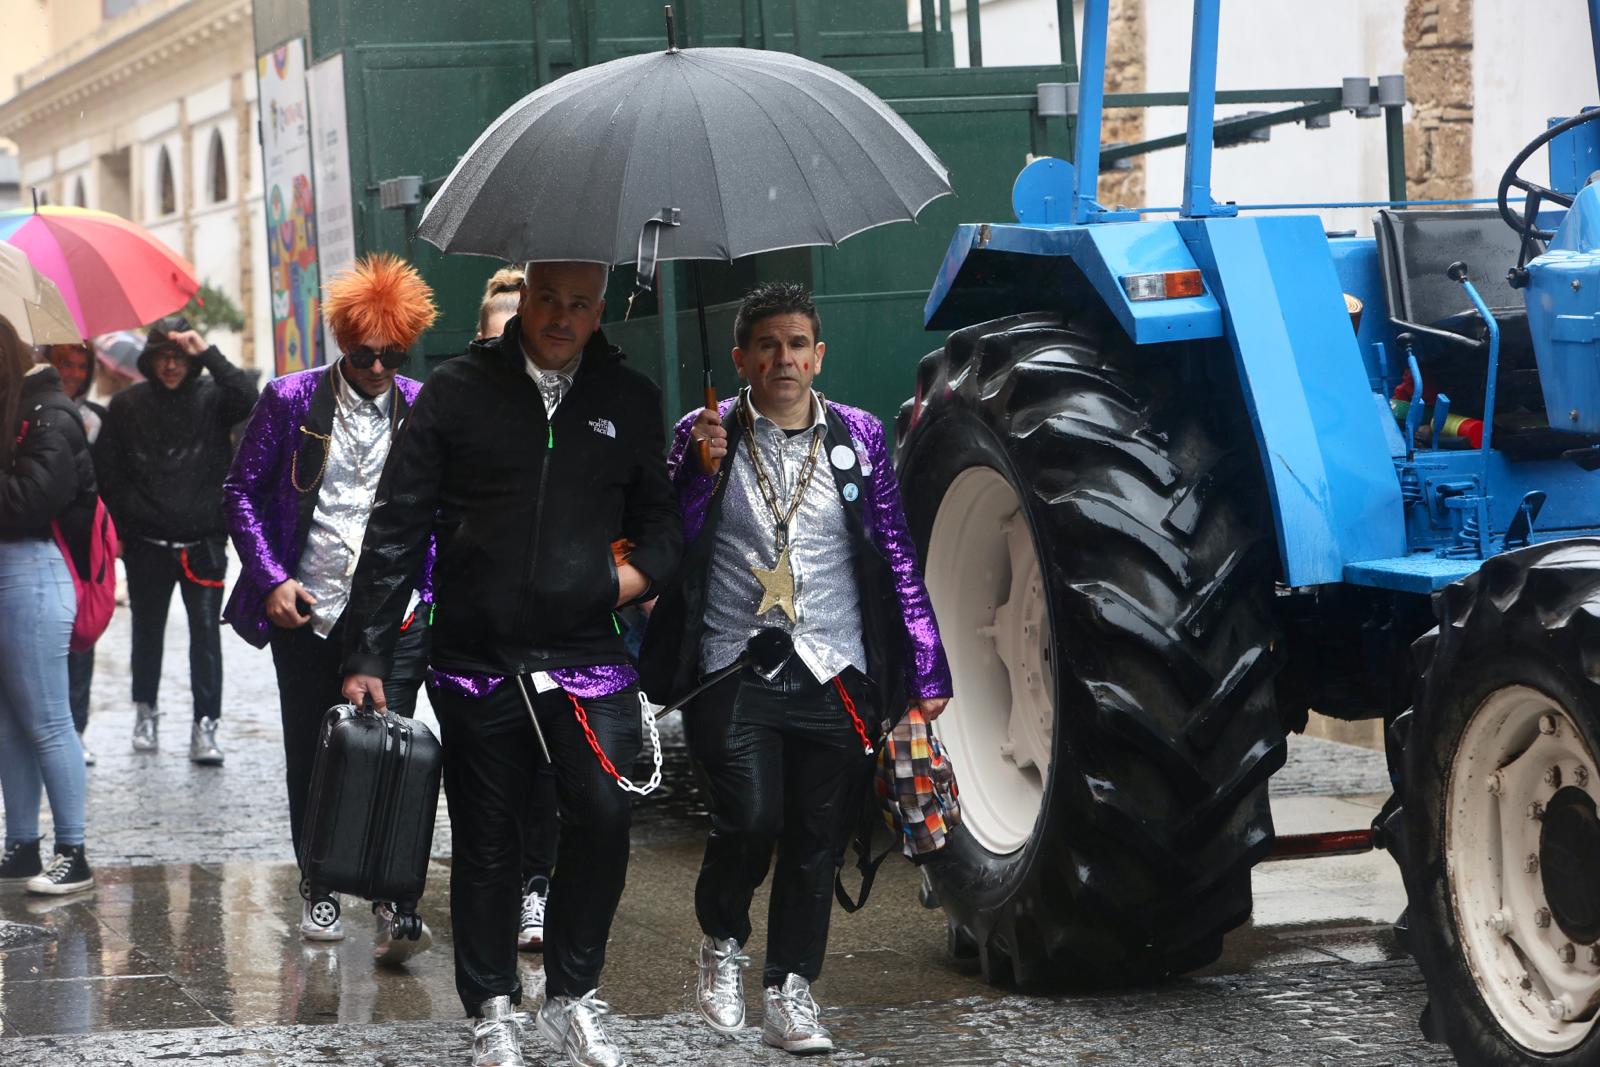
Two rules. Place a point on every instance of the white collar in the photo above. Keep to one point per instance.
(819, 414)
(351, 397)
(569, 372)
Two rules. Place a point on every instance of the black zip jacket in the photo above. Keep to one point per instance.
(162, 453)
(52, 476)
(525, 510)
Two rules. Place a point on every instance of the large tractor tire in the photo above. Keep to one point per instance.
(1501, 842)
(1092, 525)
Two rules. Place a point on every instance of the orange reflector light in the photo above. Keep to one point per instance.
(1164, 286)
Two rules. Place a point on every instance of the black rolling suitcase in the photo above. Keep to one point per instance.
(369, 817)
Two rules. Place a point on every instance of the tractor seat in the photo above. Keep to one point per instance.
(1414, 249)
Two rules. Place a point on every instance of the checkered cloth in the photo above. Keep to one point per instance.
(916, 785)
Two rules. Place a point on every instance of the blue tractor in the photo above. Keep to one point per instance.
(1178, 481)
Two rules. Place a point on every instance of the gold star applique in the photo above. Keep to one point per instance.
(777, 587)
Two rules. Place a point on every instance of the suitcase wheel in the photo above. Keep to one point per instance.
(305, 889)
(411, 928)
(325, 911)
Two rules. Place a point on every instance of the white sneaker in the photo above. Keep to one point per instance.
(572, 1024)
(203, 747)
(331, 929)
(88, 757)
(497, 1034)
(791, 1021)
(389, 945)
(146, 728)
(530, 930)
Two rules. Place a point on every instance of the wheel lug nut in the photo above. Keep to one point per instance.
(1547, 724)
(1496, 784)
(1581, 776)
(1560, 1010)
(1531, 866)
(1536, 810)
(1525, 982)
(1500, 922)
(1541, 918)
(1566, 953)
(1552, 777)
(1594, 955)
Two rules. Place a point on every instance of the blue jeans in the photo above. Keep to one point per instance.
(38, 746)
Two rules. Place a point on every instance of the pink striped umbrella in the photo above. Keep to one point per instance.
(112, 273)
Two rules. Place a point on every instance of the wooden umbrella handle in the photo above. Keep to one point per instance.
(707, 463)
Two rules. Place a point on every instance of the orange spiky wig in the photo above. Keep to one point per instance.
(381, 296)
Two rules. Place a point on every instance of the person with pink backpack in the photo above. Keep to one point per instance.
(49, 515)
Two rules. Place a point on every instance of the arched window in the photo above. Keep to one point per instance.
(217, 169)
(166, 188)
(80, 196)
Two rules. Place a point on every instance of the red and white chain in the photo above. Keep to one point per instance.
(605, 762)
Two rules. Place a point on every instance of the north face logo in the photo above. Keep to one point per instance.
(603, 426)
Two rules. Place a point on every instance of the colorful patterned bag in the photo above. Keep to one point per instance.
(913, 792)
(916, 784)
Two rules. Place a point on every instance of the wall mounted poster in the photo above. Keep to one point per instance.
(336, 235)
(291, 208)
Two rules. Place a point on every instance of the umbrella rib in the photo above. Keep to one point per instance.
(815, 207)
(617, 237)
(716, 171)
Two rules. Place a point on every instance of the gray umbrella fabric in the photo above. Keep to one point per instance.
(757, 150)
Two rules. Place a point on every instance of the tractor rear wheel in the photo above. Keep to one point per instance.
(1501, 784)
(1099, 560)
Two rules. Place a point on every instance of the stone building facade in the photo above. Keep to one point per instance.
(147, 108)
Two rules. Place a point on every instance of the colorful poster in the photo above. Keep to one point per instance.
(336, 235)
(291, 208)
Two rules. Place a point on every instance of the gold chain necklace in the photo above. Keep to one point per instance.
(777, 582)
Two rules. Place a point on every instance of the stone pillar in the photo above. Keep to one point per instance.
(1438, 69)
(1125, 73)
(244, 133)
(185, 179)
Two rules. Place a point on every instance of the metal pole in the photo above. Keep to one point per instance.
(805, 31)
(667, 308)
(930, 34)
(1394, 124)
(769, 19)
(541, 47)
(1091, 98)
(945, 28)
(975, 33)
(1202, 111)
(749, 20)
(577, 27)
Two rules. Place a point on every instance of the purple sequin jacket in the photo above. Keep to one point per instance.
(262, 504)
(927, 671)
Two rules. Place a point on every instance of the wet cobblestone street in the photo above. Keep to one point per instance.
(187, 951)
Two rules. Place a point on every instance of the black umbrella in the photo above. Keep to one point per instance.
(698, 153)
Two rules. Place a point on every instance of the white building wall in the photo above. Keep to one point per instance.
(1526, 70)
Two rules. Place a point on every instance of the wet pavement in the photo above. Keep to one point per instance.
(187, 949)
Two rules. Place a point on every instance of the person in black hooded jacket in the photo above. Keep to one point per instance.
(161, 458)
(76, 366)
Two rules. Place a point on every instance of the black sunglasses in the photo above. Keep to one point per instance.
(363, 357)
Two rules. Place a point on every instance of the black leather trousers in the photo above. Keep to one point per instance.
(152, 572)
(785, 766)
(490, 755)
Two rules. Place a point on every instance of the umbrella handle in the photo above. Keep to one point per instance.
(708, 464)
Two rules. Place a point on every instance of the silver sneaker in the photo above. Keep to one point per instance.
(203, 744)
(720, 992)
(388, 945)
(497, 1034)
(791, 1018)
(572, 1024)
(321, 922)
(145, 737)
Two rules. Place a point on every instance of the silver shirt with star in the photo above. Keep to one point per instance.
(358, 446)
(827, 631)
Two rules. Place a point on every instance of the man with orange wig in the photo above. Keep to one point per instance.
(298, 497)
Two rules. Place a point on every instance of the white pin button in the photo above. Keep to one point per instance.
(843, 457)
(851, 491)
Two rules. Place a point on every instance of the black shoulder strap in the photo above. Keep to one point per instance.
(869, 820)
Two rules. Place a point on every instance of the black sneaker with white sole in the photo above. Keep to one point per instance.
(68, 872)
(19, 862)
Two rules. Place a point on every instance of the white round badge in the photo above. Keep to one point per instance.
(843, 457)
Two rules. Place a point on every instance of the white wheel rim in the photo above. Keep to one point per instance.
(324, 914)
(984, 577)
(1518, 750)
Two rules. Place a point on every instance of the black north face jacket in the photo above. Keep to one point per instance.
(525, 509)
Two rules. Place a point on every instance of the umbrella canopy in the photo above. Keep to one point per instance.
(756, 150)
(32, 304)
(112, 273)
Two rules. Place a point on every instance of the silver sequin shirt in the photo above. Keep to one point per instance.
(359, 445)
(827, 636)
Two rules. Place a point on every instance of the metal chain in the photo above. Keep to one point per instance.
(605, 762)
(764, 483)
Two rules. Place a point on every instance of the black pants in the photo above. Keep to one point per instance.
(490, 754)
(152, 572)
(80, 678)
(310, 676)
(784, 764)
